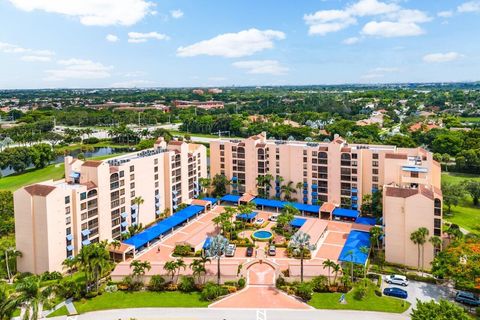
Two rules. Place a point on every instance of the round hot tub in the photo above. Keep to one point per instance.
(262, 235)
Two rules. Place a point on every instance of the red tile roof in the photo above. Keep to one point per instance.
(247, 197)
(327, 207)
(40, 190)
(397, 192)
(92, 163)
(402, 156)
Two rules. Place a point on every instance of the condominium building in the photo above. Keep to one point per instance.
(98, 200)
(341, 174)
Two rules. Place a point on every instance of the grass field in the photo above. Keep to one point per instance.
(470, 119)
(54, 171)
(142, 299)
(371, 302)
(59, 312)
(466, 215)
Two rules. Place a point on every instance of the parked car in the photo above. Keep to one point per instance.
(467, 298)
(395, 292)
(272, 251)
(249, 251)
(230, 251)
(273, 218)
(259, 221)
(397, 279)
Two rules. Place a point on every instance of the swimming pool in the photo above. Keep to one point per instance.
(262, 235)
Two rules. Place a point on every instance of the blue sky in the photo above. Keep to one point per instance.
(166, 43)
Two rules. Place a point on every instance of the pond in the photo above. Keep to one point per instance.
(92, 152)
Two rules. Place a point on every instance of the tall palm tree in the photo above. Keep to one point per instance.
(287, 190)
(138, 201)
(205, 184)
(375, 234)
(198, 268)
(69, 264)
(32, 296)
(336, 269)
(218, 245)
(180, 264)
(171, 268)
(9, 257)
(140, 268)
(365, 250)
(415, 237)
(299, 187)
(423, 237)
(351, 254)
(94, 261)
(300, 242)
(328, 264)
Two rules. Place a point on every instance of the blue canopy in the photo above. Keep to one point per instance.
(366, 220)
(281, 204)
(164, 226)
(247, 216)
(206, 244)
(306, 207)
(345, 213)
(230, 198)
(298, 222)
(414, 169)
(351, 250)
(212, 200)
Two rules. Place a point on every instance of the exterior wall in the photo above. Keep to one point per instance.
(100, 201)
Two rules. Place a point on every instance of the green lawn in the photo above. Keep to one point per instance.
(54, 171)
(470, 119)
(465, 214)
(59, 312)
(142, 299)
(371, 302)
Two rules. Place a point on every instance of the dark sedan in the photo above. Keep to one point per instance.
(395, 292)
(249, 251)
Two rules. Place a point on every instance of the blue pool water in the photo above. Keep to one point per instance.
(262, 234)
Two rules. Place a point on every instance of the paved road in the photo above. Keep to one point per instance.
(232, 314)
(423, 291)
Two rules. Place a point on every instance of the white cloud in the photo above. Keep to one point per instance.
(445, 14)
(470, 6)
(351, 40)
(272, 67)
(388, 29)
(138, 37)
(176, 14)
(370, 76)
(78, 69)
(34, 58)
(442, 57)
(233, 45)
(92, 12)
(111, 38)
(391, 15)
(385, 70)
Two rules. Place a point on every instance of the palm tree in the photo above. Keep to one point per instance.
(419, 237)
(8, 304)
(8, 256)
(375, 234)
(415, 237)
(300, 242)
(288, 190)
(336, 269)
(299, 187)
(365, 250)
(328, 264)
(138, 201)
(198, 268)
(69, 264)
(423, 239)
(94, 261)
(436, 242)
(171, 268)
(180, 264)
(205, 184)
(218, 245)
(140, 268)
(32, 296)
(351, 254)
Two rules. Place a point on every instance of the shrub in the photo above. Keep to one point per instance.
(360, 292)
(416, 277)
(187, 284)
(182, 251)
(157, 283)
(212, 291)
(171, 287)
(280, 282)
(319, 284)
(48, 276)
(304, 291)
(131, 284)
(91, 140)
(231, 289)
(241, 283)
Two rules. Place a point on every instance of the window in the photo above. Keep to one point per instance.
(132, 176)
(132, 168)
(155, 161)
(132, 185)
(83, 206)
(67, 199)
(122, 174)
(414, 174)
(83, 196)
(132, 194)
(354, 156)
(437, 223)
(374, 171)
(156, 177)
(375, 163)
(375, 156)
(374, 178)
(68, 220)
(222, 147)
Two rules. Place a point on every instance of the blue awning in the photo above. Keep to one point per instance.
(164, 226)
(212, 200)
(298, 222)
(351, 251)
(85, 232)
(230, 198)
(75, 175)
(123, 214)
(281, 204)
(366, 220)
(247, 216)
(86, 242)
(345, 213)
(69, 237)
(70, 248)
(306, 207)
(206, 244)
(124, 224)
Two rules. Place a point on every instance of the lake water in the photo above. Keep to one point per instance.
(95, 152)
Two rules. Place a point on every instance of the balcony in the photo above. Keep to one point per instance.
(408, 180)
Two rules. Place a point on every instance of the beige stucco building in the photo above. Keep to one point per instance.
(95, 201)
(341, 174)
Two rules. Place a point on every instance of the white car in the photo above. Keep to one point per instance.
(259, 221)
(273, 218)
(397, 279)
(230, 251)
